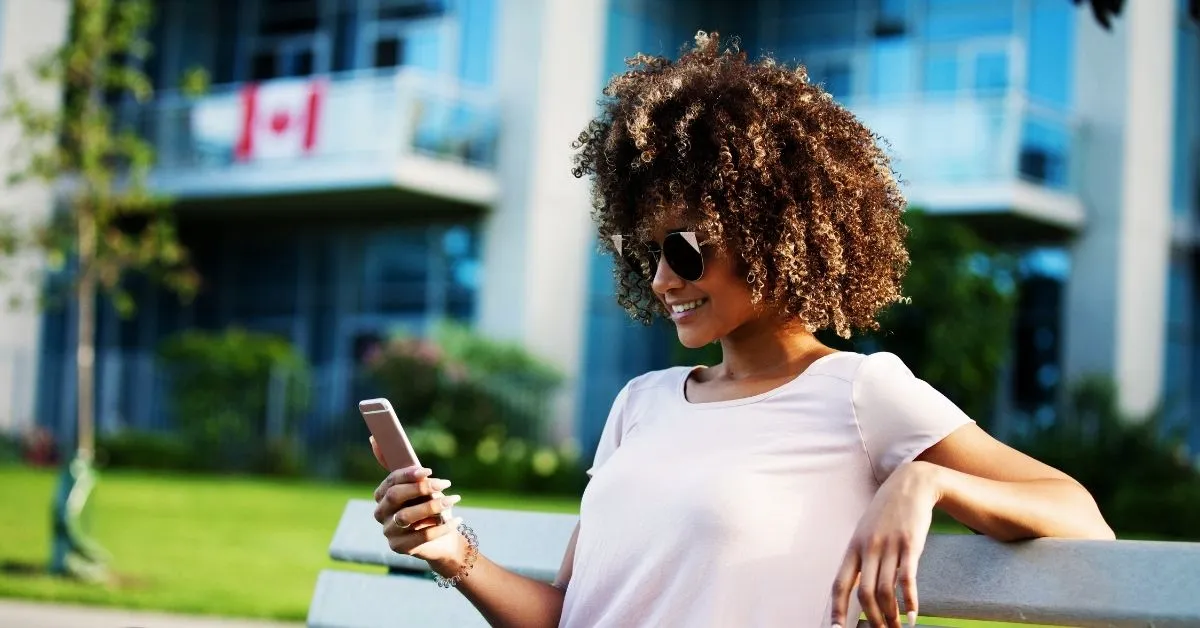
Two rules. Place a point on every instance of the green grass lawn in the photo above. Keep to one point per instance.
(204, 545)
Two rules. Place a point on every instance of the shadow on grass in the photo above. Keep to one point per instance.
(19, 569)
(15, 568)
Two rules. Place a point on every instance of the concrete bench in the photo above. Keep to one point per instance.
(1058, 582)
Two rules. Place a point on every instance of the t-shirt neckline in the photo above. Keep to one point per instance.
(681, 387)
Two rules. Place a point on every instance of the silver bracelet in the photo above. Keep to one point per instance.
(472, 555)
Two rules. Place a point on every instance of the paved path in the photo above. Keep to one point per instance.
(46, 615)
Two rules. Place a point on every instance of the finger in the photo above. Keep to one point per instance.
(405, 495)
(395, 526)
(412, 514)
(407, 543)
(868, 580)
(842, 586)
(378, 454)
(908, 585)
(407, 475)
(885, 587)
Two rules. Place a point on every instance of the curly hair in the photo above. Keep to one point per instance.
(766, 164)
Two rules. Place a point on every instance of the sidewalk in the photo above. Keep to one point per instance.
(48, 615)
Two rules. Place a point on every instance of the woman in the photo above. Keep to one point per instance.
(742, 202)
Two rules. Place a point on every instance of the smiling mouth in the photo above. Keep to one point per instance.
(680, 309)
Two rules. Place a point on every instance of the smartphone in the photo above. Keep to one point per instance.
(394, 445)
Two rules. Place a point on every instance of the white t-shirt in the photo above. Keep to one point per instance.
(738, 513)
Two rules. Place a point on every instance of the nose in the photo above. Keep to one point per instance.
(664, 279)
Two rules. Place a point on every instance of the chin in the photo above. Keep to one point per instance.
(694, 339)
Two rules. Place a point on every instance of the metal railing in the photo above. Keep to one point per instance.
(148, 409)
(362, 114)
(977, 139)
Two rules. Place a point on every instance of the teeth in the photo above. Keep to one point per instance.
(683, 307)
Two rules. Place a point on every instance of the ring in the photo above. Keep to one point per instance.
(396, 520)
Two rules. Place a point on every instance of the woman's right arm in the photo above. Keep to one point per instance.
(501, 596)
(507, 599)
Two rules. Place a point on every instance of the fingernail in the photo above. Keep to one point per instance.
(451, 500)
(912, 618)
(441, 485)
(422, 473)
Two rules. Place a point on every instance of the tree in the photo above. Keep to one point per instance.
(106, 222)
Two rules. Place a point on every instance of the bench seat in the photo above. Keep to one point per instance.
(1094, 584)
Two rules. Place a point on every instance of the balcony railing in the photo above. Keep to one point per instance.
(977, 140)
(353, 122)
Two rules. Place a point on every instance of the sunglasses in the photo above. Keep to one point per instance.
(681, 249)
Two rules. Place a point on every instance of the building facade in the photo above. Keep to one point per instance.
(365, 165)
(21, 326)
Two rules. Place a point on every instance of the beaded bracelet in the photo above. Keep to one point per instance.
(468, 563)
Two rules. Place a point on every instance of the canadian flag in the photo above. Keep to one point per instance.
(280, 119)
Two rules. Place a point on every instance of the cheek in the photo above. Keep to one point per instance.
(731, 300)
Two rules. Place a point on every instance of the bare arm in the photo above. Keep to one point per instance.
(1005, 494)
(507, 599)
(979, 481)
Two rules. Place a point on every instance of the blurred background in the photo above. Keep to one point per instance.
(376, 199)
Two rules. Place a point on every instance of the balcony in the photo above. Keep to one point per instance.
(997, 156)
(400, 130)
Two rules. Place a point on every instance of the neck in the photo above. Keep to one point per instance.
(767, 348)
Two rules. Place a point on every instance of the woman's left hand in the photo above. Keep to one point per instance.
(886, 548)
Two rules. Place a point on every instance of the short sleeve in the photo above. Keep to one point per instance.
(614, 430)
(898, 414)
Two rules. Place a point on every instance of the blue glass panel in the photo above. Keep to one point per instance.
(892, 68)
(1186, 154)
(1045, 150)
(478, 36)
(963, 19)
(1049, 52)
(991, 71)
(940, 73)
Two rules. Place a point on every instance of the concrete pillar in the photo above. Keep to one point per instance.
(1115, 318)
(537, 238)
(28, 29)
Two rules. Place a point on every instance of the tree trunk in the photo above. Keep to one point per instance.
(85, 344)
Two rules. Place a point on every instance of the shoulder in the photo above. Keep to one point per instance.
(650, 385)
(662, 379)
(858, 369)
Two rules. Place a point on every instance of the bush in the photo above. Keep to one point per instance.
(223, 386)
(475, 410)
(145, 450)
(1133, 466)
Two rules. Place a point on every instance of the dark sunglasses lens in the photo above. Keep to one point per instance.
(685, 260)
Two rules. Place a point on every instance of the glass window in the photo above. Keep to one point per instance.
(288, 17)
(940, 73)
(397, 271)
(389, 52)
(891, 18)
(345, 36)
(991, 71)
(1050, 51)
(891, 68)
(965, 19)
(477, 23)
(836, 77)
(1185, 181)
(1045, 147)
(410, 9)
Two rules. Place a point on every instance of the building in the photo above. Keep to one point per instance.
(362, 165)
(20, 328)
